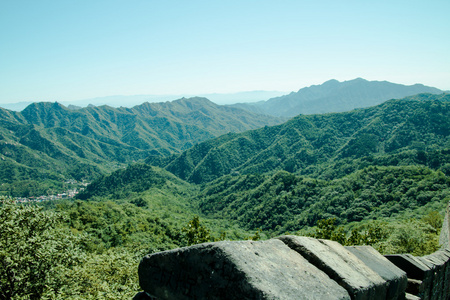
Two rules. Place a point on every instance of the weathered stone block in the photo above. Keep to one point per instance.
(444, 238)
(415, 268)
(359, 280)
(439, 287)
(235, 270)
(395, 278)
(447, 273)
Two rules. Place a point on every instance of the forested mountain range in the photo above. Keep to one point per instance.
(223, 176)
(418, 122)
(335, 96)
(359, 165)
(377, 176)
(51, 141)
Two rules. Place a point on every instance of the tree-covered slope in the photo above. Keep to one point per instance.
(134, 179)
(335, 96)
(420, 122)
(386, 163)
(82, 143)
(287, 202)
(166, 127)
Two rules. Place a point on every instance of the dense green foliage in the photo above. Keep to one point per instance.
(288, 202)
(110, 224)
(305, 142)
(91, 249)
(150, 195)
(195, 232)
(135, 179)
(34, 251)
(376, 176)
(416, 236)
(87, 142)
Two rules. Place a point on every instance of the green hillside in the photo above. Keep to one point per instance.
(392, 160)
(367, 164)
(47, 141)
(376, 176)
(135, 179)
(166, 127)
(156, 198)
(285, 202)
(306, 142)
(368, 168)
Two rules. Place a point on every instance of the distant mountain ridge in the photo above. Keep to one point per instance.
(335, 96)
(84, 142)
(365, 164)
(134, 100)
(54, 142)
(166, 126)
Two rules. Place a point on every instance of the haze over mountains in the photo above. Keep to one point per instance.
(48, 140)
(331, 96)
(335, 96)
(130, 101)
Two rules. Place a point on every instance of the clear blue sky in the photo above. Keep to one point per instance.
(64, 50)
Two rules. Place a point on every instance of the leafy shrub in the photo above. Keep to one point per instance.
(34, 251)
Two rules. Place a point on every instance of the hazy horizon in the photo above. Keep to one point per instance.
(66, 51)
(134, 100)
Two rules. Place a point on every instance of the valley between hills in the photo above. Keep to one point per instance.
(359, 162)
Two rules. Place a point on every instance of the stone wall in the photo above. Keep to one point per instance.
(294, 267)
(444, 239)
(428, 276)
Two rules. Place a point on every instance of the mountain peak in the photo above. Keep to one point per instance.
(194, 103)
(335, 96)
(359, 79)
(44, 106)
(331, 81)
(195, 99)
